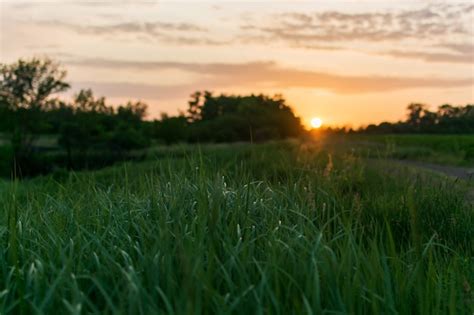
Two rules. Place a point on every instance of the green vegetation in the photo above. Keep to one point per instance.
(40, 133)
(447, 119)
(279, 228)
(309, 226)
(89, 133)
(455, 150)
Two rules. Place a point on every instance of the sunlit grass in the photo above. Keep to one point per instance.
(278, 229)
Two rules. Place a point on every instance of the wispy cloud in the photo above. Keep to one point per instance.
(28, 4)
(319, 30)
(264, 75)
(337, 30)
(433, 21)
(445, 52)
(465, 49)
(433, 56)
(175, 33)
(150, 28)
(137, 90)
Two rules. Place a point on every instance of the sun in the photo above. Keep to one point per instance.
(316, 122)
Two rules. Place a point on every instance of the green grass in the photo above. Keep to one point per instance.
(282, 228)
(455, 150)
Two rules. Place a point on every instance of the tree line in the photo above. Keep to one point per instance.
(90, 133)
(446, 119)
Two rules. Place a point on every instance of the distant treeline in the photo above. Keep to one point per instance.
(90, 133)
(86, 132)
(447, 119)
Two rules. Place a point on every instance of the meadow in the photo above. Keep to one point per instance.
(276, 228)
(457, 150)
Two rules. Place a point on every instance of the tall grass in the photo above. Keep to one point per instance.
(264, 229)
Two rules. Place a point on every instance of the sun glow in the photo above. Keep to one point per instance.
(316, 122)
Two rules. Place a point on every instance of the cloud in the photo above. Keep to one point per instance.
(433, 56)
(465, 49)
(127, 27)
(136, 90)
(204, 68)
(161, 31)
(259, 75)
(305, 29)
(319, 30)
(445, 52)
(418, 31)
(28, 4)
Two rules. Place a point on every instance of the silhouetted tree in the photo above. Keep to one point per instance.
(93, 125)
(447, 119)
(132, 113)
(26, 87)
(195, 107)
(240, 118)
(415, 113)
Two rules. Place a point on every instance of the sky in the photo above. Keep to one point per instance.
(348, 62)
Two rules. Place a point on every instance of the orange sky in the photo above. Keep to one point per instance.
(347, 62)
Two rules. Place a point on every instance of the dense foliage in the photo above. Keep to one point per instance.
(226, 118)
(88, 132)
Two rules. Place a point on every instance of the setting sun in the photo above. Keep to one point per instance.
(316, 122)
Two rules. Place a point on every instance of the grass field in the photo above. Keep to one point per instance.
(282, 228)
(455, 150)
